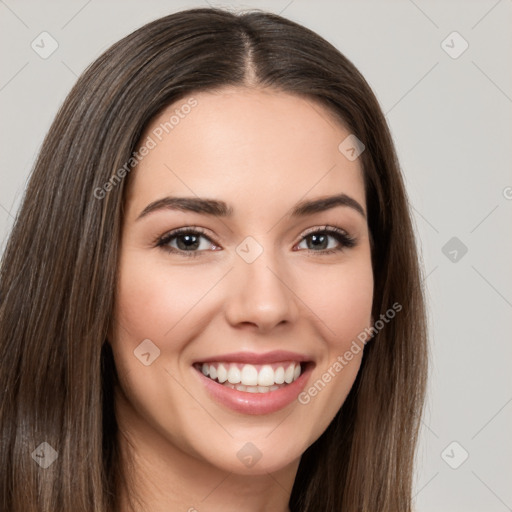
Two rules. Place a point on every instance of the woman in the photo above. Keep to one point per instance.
(265, 372)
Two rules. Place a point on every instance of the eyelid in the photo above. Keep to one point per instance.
(325, 227)
(160, 239)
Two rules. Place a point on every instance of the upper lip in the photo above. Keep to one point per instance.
(275, 356)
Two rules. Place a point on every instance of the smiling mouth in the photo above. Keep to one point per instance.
(252, 378)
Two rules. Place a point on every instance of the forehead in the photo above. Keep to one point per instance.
(251, 147)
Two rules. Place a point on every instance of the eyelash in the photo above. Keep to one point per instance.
(340, 235)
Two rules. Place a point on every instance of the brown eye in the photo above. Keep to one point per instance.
(185, 241)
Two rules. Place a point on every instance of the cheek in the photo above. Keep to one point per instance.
(154, 298)
(342, 299)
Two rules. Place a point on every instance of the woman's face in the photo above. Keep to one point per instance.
(252, 297)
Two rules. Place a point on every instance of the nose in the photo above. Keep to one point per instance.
(261, 294)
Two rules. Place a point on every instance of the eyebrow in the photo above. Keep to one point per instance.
(217, 208)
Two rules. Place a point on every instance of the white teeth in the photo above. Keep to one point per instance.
(222, 373)
(249, 375)
(288, 374)
(233, 374)
(250, 378)
(266, 376)
(279, 375)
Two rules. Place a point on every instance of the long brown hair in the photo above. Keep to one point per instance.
(59, 270)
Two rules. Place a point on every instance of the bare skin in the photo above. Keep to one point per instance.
(260, 151)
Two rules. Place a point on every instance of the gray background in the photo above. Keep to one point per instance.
(451, 121)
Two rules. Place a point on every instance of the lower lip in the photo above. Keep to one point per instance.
(256, 403)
